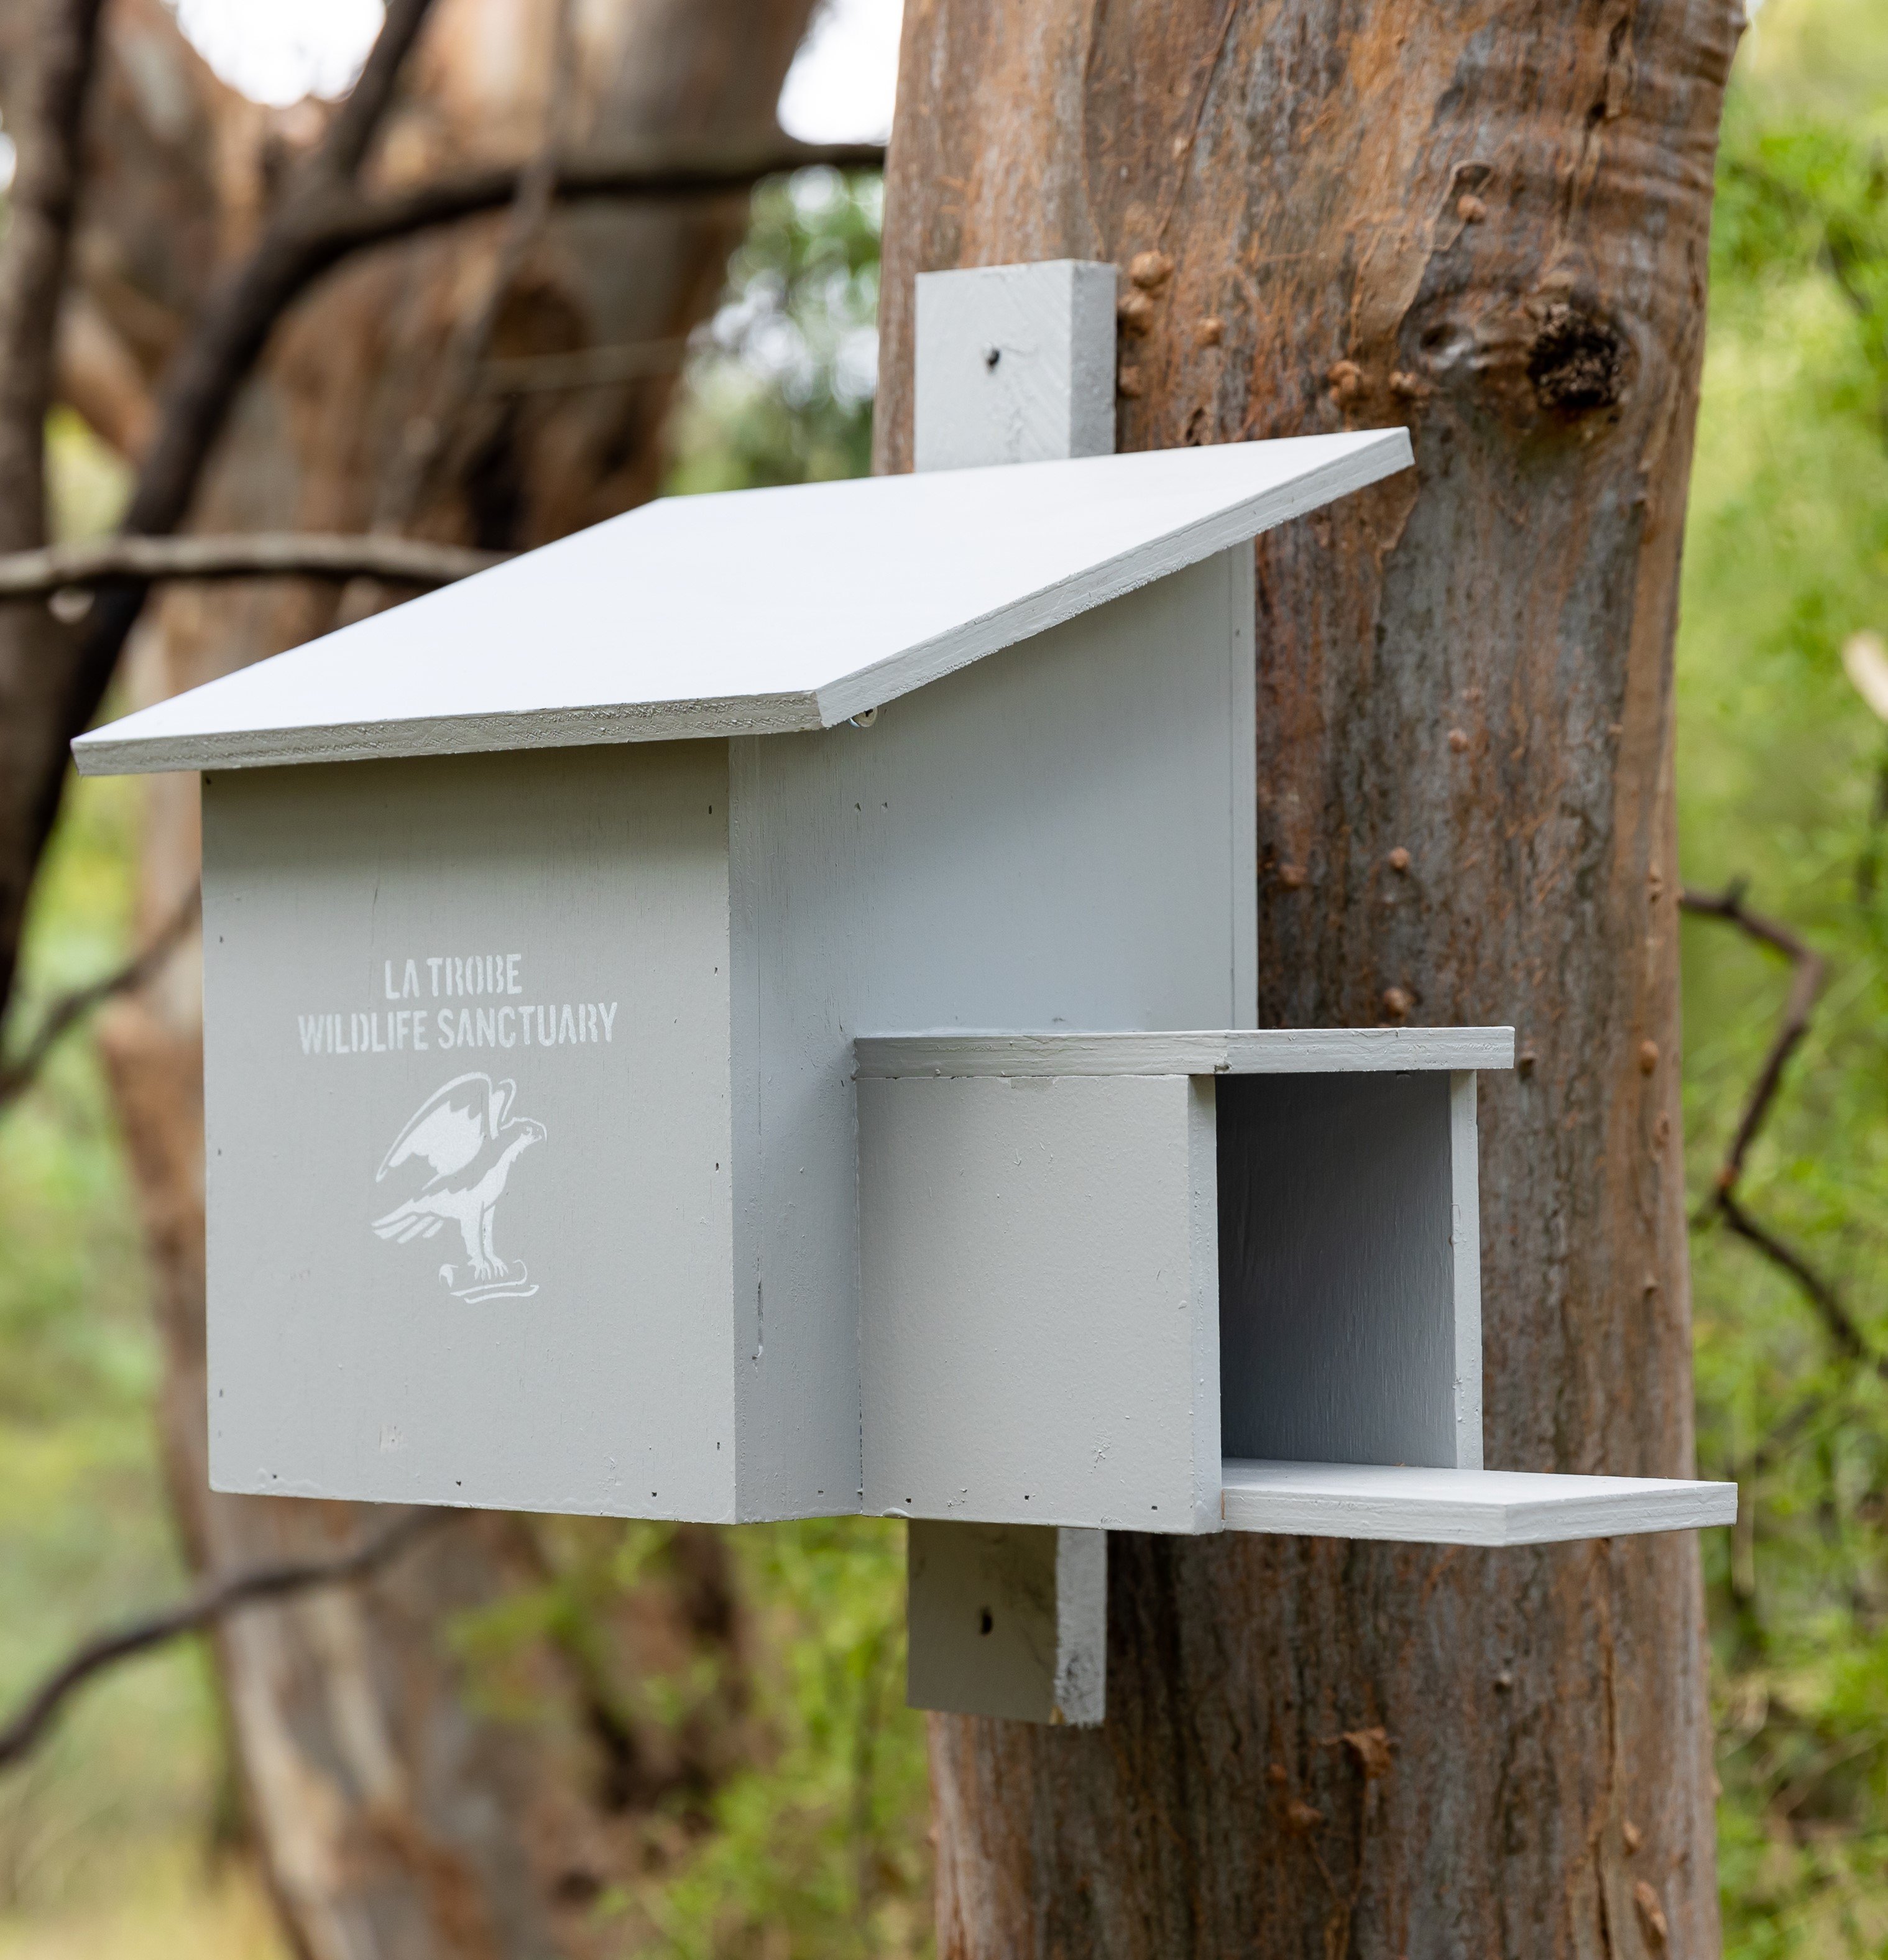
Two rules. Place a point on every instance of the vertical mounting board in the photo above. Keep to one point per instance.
(1008, 1620)
(1016, 363)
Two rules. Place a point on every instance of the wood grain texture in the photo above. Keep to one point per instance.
(1008, 1620)
(1214, 1052)
(1019, 366)
(1489, 222)
(1337, 1295)
(1448, 1507)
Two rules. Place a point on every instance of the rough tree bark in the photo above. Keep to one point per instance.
(1488, 222)
(410, 1794)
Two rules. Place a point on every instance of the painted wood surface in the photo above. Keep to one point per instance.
(1018, 366)
(1444, 1506)
(1039, 1264)
(1218, 1051)
(1053, 836)
(633, 631)
(1008, 1620)
(470, 1223)
(1339, 1333)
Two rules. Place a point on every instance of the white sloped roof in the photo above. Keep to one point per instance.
(754, 612)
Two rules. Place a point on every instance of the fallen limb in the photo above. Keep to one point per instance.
(211, 1601)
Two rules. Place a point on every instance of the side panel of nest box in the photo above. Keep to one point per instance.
(468, 1106)
(1040, 1264)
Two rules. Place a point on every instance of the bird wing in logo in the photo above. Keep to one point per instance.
(466, 1132)
(450, 1128)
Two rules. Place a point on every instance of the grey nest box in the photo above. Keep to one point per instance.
(749, 1012)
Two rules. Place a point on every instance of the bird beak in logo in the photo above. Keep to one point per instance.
(466, 1133)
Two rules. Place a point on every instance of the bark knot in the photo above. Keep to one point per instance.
(1577, 362)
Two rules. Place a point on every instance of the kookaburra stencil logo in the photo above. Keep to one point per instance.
(466, 1132)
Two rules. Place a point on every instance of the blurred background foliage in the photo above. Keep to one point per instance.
(122, 1837)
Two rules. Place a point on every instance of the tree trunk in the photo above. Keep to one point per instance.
(1488, 223)
(422, 1780)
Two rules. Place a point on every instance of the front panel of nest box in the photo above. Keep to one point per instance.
(467, 1082)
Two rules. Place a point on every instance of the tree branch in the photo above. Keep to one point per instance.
(17, 1076)
(1808, 975)
(343, 149)
(203, 1608)
(99, 561)
(430, 433)
(46, 122)
(40, 208)
(352, 224)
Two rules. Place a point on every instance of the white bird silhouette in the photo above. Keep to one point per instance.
(466, 1132)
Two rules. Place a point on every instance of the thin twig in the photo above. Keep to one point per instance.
(586, 367)
(431, 433)
(210, 1603)
(17, 1076)
(96, 561)
(1808, 975)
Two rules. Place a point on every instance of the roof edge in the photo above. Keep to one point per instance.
(100, 753)
(1184, 1051)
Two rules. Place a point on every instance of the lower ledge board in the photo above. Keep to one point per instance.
(1434, 1506)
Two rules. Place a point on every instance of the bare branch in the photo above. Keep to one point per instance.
(588, 368)
(69, 1009)
(1808, 975)
(357, 121)
(99, 561)
(209, 1603)
(429, 434)
(40, 208)
(1821, 1295)
(352, 224)
(46, 123)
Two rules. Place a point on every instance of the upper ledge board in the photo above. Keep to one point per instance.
(1371, 1500)
(747, 613)
(1260, 1051)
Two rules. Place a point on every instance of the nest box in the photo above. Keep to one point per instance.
(701, 1022)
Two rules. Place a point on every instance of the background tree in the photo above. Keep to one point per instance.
(500, 383)
(1493, 227)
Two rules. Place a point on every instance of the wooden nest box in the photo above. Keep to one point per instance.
(749, 1012)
